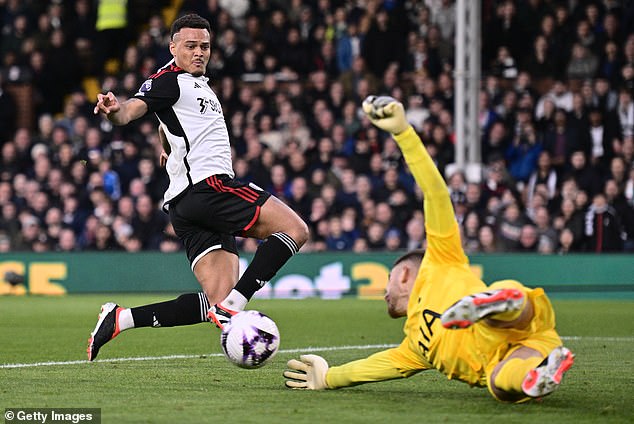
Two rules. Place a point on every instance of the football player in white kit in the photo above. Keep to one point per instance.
(207, 207)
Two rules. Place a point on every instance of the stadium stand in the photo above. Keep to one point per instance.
(556, 119)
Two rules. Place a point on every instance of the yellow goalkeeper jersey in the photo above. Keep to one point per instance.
(443, 278)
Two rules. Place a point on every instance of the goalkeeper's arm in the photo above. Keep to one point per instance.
(388, 114)
(312, 372)
(381, 366)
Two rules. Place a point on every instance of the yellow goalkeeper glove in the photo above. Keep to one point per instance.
(386, 113)
(307, 373)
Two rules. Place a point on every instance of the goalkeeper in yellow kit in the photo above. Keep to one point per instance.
(500, 336)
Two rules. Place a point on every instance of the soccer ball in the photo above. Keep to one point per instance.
(250, 339)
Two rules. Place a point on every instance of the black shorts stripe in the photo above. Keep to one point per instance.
(210, 213)
(218, 186)
(247, 193)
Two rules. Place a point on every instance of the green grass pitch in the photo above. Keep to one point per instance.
(183, 378)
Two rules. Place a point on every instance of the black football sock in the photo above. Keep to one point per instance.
(269, 258)
(186, 309)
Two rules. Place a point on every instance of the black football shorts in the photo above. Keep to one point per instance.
(210, 214)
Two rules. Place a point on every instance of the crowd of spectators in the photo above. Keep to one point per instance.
(556, 120)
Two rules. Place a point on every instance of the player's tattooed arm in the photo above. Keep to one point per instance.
(119, 113)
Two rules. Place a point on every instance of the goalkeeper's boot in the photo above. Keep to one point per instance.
(546, 378)
(220, 315)
(470, 309)
(107, 328)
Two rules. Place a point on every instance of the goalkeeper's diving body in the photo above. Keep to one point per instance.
(500, 336)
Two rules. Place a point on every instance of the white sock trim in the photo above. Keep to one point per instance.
(125, 319)
(204, 306)
(288, 241)
(235, 301)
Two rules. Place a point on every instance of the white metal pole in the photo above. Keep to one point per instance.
(473, 35)
(459, 83)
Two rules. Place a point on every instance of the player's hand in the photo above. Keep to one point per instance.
(163, 159)
(164, 143)
(167, 149)
(107, 103)
(386, 113)
(307, 373)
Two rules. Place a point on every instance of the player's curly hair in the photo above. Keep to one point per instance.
(189, 21)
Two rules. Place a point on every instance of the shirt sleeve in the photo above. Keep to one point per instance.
(398, 362)
(443, 234)
(159, 92)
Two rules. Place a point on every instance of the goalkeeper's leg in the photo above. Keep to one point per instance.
(505, 305)
(526, 374)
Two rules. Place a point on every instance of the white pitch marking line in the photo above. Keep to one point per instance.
(598, 339)
(202, 355)
(299, 350)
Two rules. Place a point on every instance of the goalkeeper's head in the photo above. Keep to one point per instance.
(401, 282)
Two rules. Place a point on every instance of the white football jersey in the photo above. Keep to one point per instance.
(191, 117)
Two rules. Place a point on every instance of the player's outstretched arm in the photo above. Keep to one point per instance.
(119, 113)
(312, 372)
(307, 373)
(388, 114)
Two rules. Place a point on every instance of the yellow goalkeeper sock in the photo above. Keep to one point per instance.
(511, 315)
(512, 374)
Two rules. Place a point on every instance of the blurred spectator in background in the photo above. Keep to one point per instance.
(603, 228)
(583, 63)
(556, 117)
(541, 62)
(148, 223)
(111, 31)
(487, 241)
(585, 175)
(523, 153)
(510, 227)
(7, 112)
(560, 140)
(616, 200)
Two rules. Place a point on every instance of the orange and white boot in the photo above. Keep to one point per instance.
(546, 378)
(470, 309)
(107, 328)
